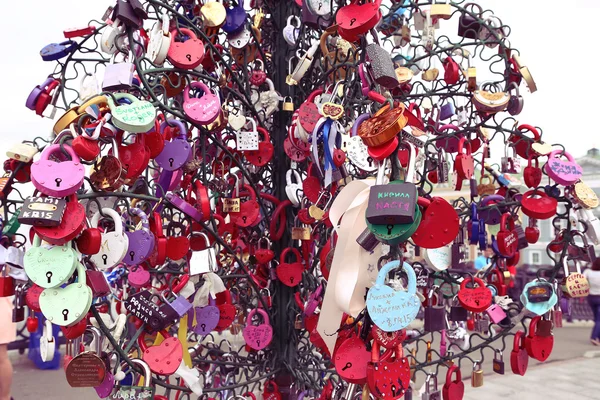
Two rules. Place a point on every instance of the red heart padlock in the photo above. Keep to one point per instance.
(86, 149)
(32, 323)
(339, 157)
(388, 379)
(532, 175)
(508, 241)
(464, 165)
(271, 391)
(294, 153)
(165, 358)
(134, 157)
(71, 224)
(154, 140)
(350, 360)
(519, 359)
(523, 143)
(497, 280)
(263, 253)
(32, 297)
(451, 71)
(227, 311)
(249, 210)
(538, 347)
(476, 298)
(388, 340)
(264, 154)
(177, 247)
(308, 112)
(356, 19)
(537, 204)
(159, 254)
(90, 241)
(453, 389)
(188, 54)
(290, 274)
(74, 331)
(532, 233)
(439, 225)
(311, 186)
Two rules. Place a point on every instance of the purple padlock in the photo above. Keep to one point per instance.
(141, 242)
(446, 111)
(492, 215)
(181, 305)
(107, 386)
(177, 151)
(207, 318)
(35, 94)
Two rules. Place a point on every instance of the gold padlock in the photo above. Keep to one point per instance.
(300, 233)
(288, 104)
(430, 75)
(477, 375)
(585, 195)
(441, 10)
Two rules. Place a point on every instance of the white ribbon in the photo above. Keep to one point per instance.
(212, 285)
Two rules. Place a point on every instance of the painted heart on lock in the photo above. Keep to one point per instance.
(390, 309)
(258, 337)
(137, 115)
(165, 358)
(177, 247)
(351, 359)
(290, 274)
(65, 306)
(141, 244)
(207, 319)
(439, 225)
(227, 314)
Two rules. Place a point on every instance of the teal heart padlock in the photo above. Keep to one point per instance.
(391, 309)
(395, 234)
(539, 297)
(68, 305)
(136, 117)
(49, 266)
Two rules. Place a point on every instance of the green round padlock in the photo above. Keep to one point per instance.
(447, 289)
(395, 234)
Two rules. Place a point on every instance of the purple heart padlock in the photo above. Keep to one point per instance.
(203, 110)
(258, 336)
(106, 387)
(177, 151)
(207, 318)
(141, 242)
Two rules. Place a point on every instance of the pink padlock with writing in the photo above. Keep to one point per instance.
(204, 109)
(57, 179)
(258, 336)
(563, 172)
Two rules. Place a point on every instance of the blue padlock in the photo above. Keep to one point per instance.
(56, 51)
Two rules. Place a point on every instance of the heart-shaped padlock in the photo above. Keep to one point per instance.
(532, 175)
(439, 224)
(464, 165)
(134, 157)
(138, 277)
(454, 389)
(71, 224)
(141, 242)
(207, 318)
(389, 340)
(508, 242)
(388, 375)
(537, 204)
(390, 309)
(271, 391)
(249, 213)
(351, 359)
(177, 247)
(356, 19)
(177, 151)
(522, 143)
(258, 337)
(137, 117)
(563, 172)
(476, 298)
(203, 110)
(57, 179)
(114, 244)
(32, 297)
(538, 346)
(187, 54)
(49, 267)
(264, 154)
(227, 311)
(90, 241)
(68, 305)
(519, 359)
(165, 358)
(263, 254)
(290, 274)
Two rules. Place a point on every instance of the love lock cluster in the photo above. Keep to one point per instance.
(280, 199)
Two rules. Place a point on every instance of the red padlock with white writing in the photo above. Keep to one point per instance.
(507, 239)
(476, 298)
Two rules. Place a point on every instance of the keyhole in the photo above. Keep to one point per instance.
(352, 21)
(171, 160)
(65, 313)
(348, 365)
(477, 302)
(104, 258)
(189, 57)
(320, 5)
(239, 42)
(370, 161)
(244, 218)
(291, 279)
(389, 228)
(543, 353)
(58, 181)
(298, 154)
(203, 326)
(131, 254)
(394, 390)
(258, 342)
(49, 275)
(259, 159)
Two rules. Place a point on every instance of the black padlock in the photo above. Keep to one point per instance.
(435, 316)
(457, 312)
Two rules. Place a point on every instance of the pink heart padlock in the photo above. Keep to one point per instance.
(204, 110)
(258, 336)
(562, 172)
(187, 54)
(58, 179)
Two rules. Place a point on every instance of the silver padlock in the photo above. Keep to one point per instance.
(431, 388)
(203, 261)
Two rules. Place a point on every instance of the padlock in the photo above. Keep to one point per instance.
(188, 54)
(498, 362)
(263, 155)
(114, 244)
(205, 260)
(388, 379)
(7, 283)
(434, 319)
(146, 392)
(574, 284)
(118, 75)
(177, 151)
(247, 139)
(477, 375)
(204, 109)
(160, 41)
(87, 369)
(258, 337)
(96, 281)
(130, 113)
(57, 179)
(18, 311)
(496, 313)
(49, 267)
(510, 162)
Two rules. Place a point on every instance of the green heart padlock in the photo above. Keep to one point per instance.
(137, 117)
(395, 234)
(49, 266)
(68, 305)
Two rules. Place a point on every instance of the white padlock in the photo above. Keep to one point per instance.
(292, 189)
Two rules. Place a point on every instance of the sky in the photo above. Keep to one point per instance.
(563, 106)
